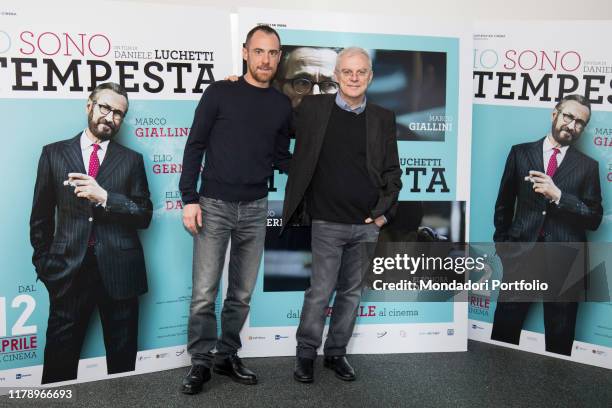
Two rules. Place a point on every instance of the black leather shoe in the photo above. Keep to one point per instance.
(341, 367)
(195, 378)
(232, 367)
(304, 371)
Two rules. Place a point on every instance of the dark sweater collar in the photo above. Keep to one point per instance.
(244, 83)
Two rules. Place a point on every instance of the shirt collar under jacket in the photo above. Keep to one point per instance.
(548, 146)
(86, 142)
(342, 104)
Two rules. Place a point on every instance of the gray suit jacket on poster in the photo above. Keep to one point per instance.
(61, 223)
(310, 124)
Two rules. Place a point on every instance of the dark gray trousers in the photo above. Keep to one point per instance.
(245, 223)
(340, 257)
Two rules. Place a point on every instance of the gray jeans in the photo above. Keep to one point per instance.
(245, 223)
(340, 257)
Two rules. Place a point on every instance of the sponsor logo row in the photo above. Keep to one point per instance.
(378, 335)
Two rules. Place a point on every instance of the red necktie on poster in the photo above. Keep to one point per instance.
(94, 162)
(94, 167)
(552, 163)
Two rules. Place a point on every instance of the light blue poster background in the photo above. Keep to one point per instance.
(495, 130)
(273, 309)
(28, 124)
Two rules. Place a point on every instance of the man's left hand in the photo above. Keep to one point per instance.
(87, 187)
(380, 221)
(543, 184)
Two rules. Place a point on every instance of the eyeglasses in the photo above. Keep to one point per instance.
(105, 110)
(303, 86)
(568, 118)
(348, 73)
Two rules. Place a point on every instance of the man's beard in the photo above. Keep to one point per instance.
(262, 76)
(100, 134)
(563, 141)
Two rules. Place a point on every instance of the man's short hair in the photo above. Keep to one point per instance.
(350, 51)
(112, 86)
(576, 98)
(265, 28)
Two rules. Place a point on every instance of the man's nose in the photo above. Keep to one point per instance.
(316, 90)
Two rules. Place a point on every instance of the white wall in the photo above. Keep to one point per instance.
(463, 9)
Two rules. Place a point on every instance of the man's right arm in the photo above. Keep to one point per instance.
(42, 218)
(506, 197)
(197, 142)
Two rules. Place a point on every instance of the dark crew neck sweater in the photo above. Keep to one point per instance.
(341, 189)
(244, 131)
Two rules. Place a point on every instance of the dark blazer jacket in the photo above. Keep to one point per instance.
(523, 217)
(61, 223)
(310, 124)
(521, 213)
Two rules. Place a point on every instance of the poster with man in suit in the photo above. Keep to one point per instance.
(523, 111)
(549, 193)
(90, 198)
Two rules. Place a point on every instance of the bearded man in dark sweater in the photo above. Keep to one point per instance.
(345, 176)
(243, 127)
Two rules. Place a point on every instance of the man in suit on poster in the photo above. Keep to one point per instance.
(546, 206)
(90, 198)
(345, 175)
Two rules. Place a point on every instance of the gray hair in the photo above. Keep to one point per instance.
(350, 51)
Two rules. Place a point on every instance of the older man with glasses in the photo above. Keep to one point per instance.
(345, 176)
